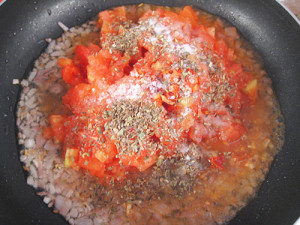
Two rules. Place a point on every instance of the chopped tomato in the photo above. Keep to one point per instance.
(93, 165)
(187, 122)
(75, 95)
(81, 58)
(63, 62)
(182, 68)
(231, 133)
(234, 100)
(47, 132)
(116, 171)
(108, 18)
(188, 14)
(142, 160)
(218, 161)
(106, 67)
(202, 36)
(94, 48)
(58, 128)
(70, 73)
(221, 48)
(101, 147)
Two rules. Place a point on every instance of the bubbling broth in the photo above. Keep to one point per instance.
(149, 115)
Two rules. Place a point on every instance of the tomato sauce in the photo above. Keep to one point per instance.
(168, 104)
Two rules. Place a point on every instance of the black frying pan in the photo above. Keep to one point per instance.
(25, 24)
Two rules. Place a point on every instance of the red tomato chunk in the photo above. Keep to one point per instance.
(148, 88)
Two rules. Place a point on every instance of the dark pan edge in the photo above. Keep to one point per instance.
(283, 211)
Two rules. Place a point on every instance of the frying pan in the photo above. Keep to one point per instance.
(272, 31)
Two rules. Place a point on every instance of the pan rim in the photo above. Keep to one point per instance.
(2, 66)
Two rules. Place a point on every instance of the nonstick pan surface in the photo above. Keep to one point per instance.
(265, 24)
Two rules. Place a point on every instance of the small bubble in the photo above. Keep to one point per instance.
(6, 60)
(14, 33)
